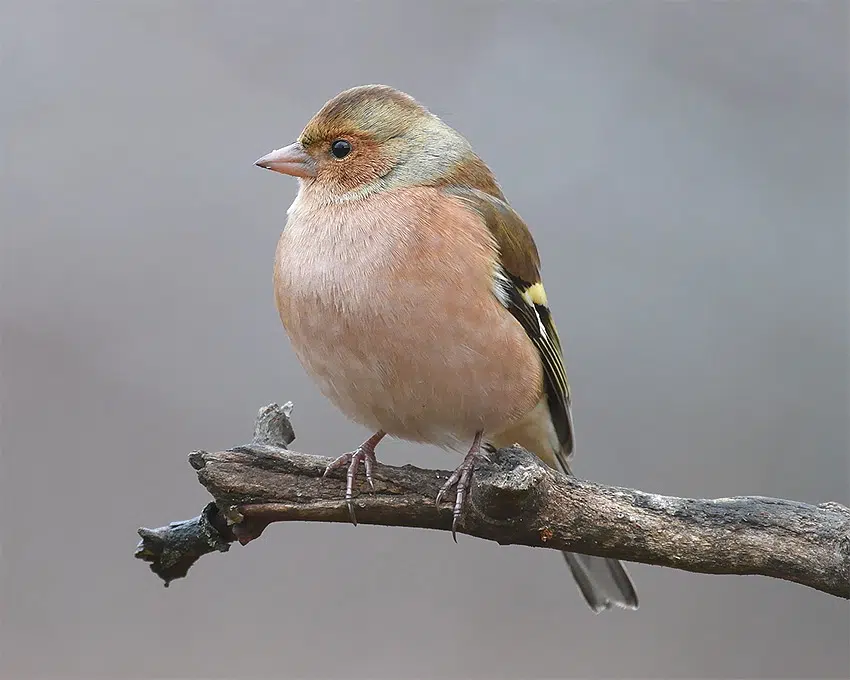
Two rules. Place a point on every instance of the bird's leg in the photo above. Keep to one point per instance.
(462, 479)
(365, 453)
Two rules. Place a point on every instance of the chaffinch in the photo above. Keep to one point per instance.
(411, 293)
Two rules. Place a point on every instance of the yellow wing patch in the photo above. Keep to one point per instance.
(536, 295)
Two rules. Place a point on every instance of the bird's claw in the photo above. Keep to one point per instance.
(461, 478)
(363, 454)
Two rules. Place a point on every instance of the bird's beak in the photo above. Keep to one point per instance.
(290, 160)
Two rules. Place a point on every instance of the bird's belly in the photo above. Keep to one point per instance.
(420, 365)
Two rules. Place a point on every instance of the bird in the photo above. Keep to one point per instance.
(411, 293)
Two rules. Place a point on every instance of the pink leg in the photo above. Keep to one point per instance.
(365, 454)
(462, 478)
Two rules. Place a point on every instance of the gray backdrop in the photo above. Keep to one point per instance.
(683, 167)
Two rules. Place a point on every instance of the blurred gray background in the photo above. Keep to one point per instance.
(684, 169)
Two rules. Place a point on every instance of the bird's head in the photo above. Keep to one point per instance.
(373, 138)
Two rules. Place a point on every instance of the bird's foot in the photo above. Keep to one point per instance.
(365, 453)
(461, 478)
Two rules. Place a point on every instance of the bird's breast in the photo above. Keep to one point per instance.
(388, 304)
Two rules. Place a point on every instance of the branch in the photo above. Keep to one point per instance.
(515, 499)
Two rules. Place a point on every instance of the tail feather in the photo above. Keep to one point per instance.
(602, 581)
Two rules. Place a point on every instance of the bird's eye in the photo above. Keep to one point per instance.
(340, 148)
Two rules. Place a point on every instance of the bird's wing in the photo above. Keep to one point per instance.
(518, 286)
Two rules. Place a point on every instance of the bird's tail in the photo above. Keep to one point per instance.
(603, 581)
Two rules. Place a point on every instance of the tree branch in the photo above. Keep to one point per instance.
(515, 499)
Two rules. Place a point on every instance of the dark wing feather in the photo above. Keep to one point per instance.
(536, 320)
